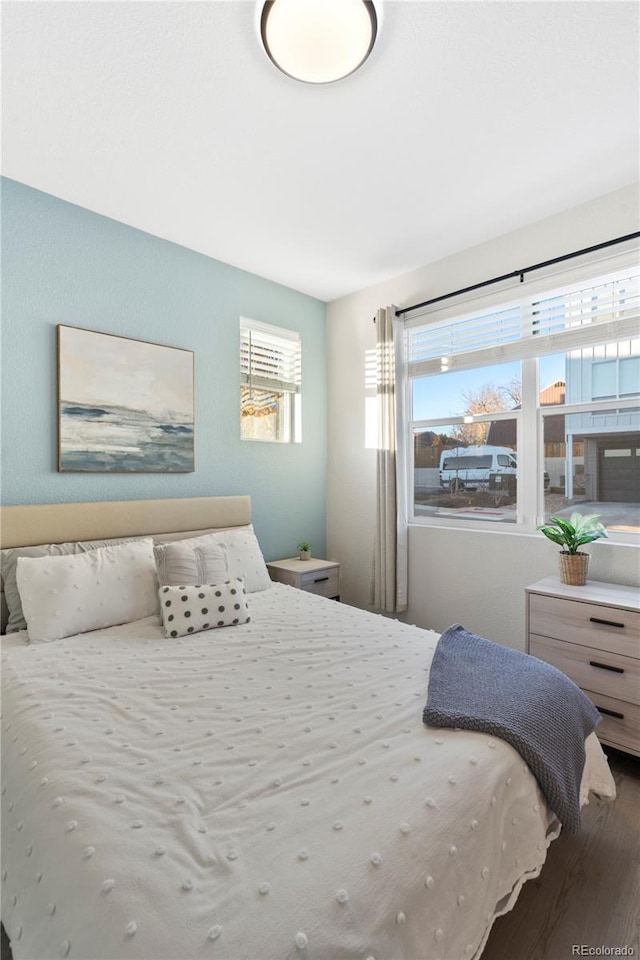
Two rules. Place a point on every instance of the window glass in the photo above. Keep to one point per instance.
(630, 376)
(453, 479)
(264, 415)
(479, 383)
(603, 379)
(589, 457)
(270, 382)
(483, 390)
(465, 467)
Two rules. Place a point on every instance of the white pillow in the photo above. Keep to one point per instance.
(182, 562)
(199, 607)
(62, 596)
(9, 562)
(197, 560)
(244, 558)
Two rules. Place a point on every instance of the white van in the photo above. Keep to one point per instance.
(472, 467)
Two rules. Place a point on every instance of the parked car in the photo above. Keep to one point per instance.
(471, 468)
(481, 467)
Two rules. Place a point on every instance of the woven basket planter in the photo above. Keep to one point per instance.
(573, 568)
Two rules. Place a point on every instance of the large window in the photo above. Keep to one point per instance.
(270, 381)
(526, 409)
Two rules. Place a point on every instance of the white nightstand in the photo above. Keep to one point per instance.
(315, 576)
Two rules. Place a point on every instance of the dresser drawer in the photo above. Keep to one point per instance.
(587, 624)
(597, 670)
(621, 726)
(323, 582)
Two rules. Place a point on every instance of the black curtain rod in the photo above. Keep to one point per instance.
(519, 273)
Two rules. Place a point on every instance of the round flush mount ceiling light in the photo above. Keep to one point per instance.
(318, 41)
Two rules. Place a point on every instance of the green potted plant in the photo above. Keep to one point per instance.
(304, 550)
(572, 534)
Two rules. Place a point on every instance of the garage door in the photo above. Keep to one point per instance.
(619, 473)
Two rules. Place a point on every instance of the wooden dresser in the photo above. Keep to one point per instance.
(592, 633)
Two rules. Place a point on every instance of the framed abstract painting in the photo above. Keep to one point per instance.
(124, 406)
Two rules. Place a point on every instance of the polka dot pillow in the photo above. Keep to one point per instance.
(190, 609)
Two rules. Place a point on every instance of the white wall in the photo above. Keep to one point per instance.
(474, 578)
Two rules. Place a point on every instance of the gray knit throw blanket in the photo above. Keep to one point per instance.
(479, 685)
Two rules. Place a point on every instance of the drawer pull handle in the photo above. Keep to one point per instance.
(610, 713)
(606, 666)
(320, 579)
(607, 623)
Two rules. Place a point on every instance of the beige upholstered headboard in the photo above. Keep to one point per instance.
(24, 526)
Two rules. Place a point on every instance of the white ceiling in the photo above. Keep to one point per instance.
(470, 119)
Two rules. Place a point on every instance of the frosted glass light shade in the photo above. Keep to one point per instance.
(318, 41)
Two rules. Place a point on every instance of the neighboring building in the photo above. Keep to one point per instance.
(502, 433)
(611, 437)
(594, 455)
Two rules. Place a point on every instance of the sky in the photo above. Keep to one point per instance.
(441, 396)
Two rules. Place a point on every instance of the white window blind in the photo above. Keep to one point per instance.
(576, 315)
(270, 357)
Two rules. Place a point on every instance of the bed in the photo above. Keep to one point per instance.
(264, 790)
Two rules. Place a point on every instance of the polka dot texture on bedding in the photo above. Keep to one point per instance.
(187, 792)
(190, 609)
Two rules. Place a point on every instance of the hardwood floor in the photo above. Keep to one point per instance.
(589, 889)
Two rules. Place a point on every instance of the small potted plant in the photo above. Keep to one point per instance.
(304, 550)
(572, 534)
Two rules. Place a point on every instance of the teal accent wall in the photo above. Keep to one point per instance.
(64, 264)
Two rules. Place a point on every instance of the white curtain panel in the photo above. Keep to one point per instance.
(390, 552)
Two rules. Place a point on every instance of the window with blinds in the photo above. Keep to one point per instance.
(575, 316)
(550, 379)
(270, 382)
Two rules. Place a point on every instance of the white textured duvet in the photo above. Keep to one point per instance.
(262, 791)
